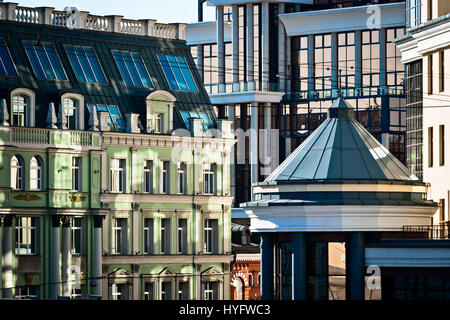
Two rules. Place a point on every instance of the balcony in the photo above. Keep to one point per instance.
(429, 232)
(216, 88)
(84, 20)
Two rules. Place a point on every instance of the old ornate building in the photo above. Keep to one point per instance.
(111, 184)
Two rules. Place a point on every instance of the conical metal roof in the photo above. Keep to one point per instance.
(340, 149)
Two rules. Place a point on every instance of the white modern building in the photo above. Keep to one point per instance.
(425, 51)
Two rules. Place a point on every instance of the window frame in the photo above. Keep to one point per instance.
(90, 65)
(33, 43)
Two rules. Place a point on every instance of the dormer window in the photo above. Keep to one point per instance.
(22, 108)
(72, 104)
(159, 112)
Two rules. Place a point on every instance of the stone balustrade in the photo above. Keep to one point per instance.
(83, 20)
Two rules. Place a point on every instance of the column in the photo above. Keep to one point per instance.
(288, 65)
(226, 281)
(136, 227)
(299, 278)
(250, 48)
(355, 263)
(358, 59)
(311, 60)
(265, 44)
(66, 257)
(8, 256)
(267, 150)
(334, 62)
(253, 145)
(235, 44)
(55, 276)
(281, 50)
(200, 60)
(383, 80)
(97, 256)
(136, 294)
(133, 168)
(266, 266)
(198, 230)
(220, 49)
(231, 116)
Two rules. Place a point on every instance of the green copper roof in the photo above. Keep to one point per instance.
(340, 149)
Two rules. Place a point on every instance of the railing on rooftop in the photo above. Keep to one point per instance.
(426, 232)
(265, 86)
(83, 20)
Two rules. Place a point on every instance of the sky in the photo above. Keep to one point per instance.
(165, 11)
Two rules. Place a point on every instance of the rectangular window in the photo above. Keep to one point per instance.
(209, 179)
(166, 290)
(44, 61)
(442, 210)
(7, 67)
(206, 120)
(211, 291)
(441, 71)
(322, 61)
(148, 236)
(85, 64)
(115, 120)
(76, 174)
(346, 59)
(77, 227)
(164, 238)
(430, 74)
(118, 175)
(149, 291)
(165, 177)
(181, 178)
(158, 122)
(183, 290)
(441, 145)
(182, 236)
(119, 291)
(413, 13)
(371, 58)
(210, 236)
(430, 146)
(29, 292)
(148, 176)
(132, 68)
(119, 236)
(26, 235)
(177, 73)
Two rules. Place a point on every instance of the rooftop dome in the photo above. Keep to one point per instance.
(340, 149)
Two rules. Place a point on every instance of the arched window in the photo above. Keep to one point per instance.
(17, 173)
(250, 280)
(22, 107)
(258, 279)
(19, 110)
(73, 106)
(36, 170)
(70, 108)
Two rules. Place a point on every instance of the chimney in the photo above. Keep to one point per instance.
(4, 115)
(103, 121)
(224, 129)
(195, 126)
(93, 119)
(132, 123)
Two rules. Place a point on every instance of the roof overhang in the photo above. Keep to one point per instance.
(344, 19)
(205, 32)
(229, 2)
(246, 97)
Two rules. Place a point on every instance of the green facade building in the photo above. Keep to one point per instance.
(114, 182)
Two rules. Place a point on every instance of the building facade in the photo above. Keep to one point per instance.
(426, 55)
(277, 65)
(111, 184)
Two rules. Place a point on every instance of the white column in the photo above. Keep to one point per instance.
(231, 116)
(267, 154)
(136, 227)
(97, 255)
(253, 145)
(66, 258)
(235, 43)
(198, 230)
(265, 44)
(281, 50)
(8, 257)
(220, 49)
(226, 281)
(250, 47)
(133, 168)
(55, 276)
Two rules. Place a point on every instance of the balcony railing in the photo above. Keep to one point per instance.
(44, 136)
(84, 20)
(426, 232)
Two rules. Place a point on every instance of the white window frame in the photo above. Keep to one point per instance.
(148, 176)
(164, 235)
(118, 170)
(146, 293)
(25, 231)
(209, 179)
(165, 177)
(36, 177)
(77, 172)
(119, 233)
(17, 173)
(76, 229)
(181, 181)
(29, 120)
(148, 236)
(79, 109)
(182, 236)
